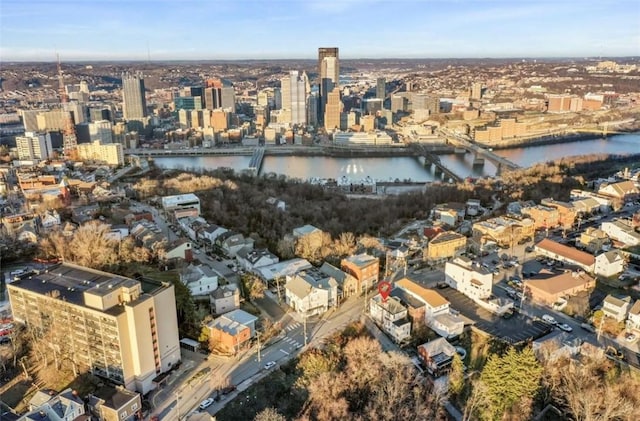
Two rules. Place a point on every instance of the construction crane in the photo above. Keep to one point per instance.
(69, 139)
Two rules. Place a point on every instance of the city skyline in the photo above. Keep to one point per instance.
(249, 29)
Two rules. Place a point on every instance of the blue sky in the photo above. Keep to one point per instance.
(232, 29)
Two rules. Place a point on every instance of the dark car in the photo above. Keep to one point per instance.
(442, 285)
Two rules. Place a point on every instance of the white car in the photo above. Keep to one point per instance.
(565, 327)
(549, 319)
(269, 365)
(206, 403)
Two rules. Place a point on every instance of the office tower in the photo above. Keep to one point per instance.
(101, 113)
(294, 95)
(101, 131)
(118, 328)
(134, 103)
(228, 98)
(212, 98)
(34, 146)
(381, 88)
(476, 90)
(398, 103)
(277, 98)
(78, 111)
(312, 108)
(332, 111)
(54, 120)
(188, 103)
(29, 119)
(329, 74)
(184, 118)
(371, 106)
(433, 105)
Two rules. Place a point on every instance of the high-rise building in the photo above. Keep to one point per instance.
(476, 90)
(381, 88)
(29, 119)
(294, 95)
(118, 328)
(101, 131)
(228, 98)
(54, 120)
(312, 108)
(329, 74)
(332, 111)
(212, 98)
(34, 146)
(109, 153)
(371, 106)
(134, 102)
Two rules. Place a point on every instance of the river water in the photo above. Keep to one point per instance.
(404, 168)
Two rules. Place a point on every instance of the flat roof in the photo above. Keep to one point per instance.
(72, 281)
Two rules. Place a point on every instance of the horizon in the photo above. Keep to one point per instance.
(117, 30)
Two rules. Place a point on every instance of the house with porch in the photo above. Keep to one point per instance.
(437, 356)
(311, 292)
(391, 316)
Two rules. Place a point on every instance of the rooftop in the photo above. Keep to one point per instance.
(567, 252)
(361, 259)
(444, 237)
(429, 296)
(562, 282)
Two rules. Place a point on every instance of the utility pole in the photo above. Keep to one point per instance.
(258, 335)
(304, 327)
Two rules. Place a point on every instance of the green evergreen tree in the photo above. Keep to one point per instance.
(511, 378)
(456, 376)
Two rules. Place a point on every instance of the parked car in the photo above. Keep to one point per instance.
(565, 327)
(206, 403)
(549, 319)
(269, 365)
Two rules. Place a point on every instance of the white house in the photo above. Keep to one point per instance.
(633, 318)
(311, 292)
(610, 263)
(616, 308)
(211, 232)
(179, 249)
(249, 259)
(391, 315)
(282, 269)
(224, 299)
(437, 311)
(469, 278)
(50, 220)
(621, 230)
(231, 242)
(201, 280)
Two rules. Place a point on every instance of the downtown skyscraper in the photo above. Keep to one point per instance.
(134, 103)
(294, 90)
(329, 74)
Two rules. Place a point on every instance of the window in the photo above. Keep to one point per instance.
(123, 415)
(134, 406)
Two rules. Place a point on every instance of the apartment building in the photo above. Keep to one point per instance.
(566, 212)
(504, 230)
(469, 278)
(445, 245)
(365, 268)
(109, 153)
(391, 315)
(118, 328)
(544, 217)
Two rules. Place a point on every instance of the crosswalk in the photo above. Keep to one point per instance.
(292, 326)
(292, 342)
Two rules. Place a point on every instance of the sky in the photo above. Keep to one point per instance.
(262, 29)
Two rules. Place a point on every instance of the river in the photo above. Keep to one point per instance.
(403, 168)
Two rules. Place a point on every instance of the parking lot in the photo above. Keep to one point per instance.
(515, 330)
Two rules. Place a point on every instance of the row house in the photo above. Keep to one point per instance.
(610, 263)
(364, 268)
(594, 240)
(200, 279)
(224, 299)
(193, 226)
(391, 316)
(249, 259)
(347, 284)
(232, 242)
(621, 230)
(565, 254)
(311, 292)
(616, 308)
(437, 311)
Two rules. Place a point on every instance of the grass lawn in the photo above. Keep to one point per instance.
(277, 390)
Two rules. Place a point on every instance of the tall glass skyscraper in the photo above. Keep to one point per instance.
(329, 74)
(134, 103)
